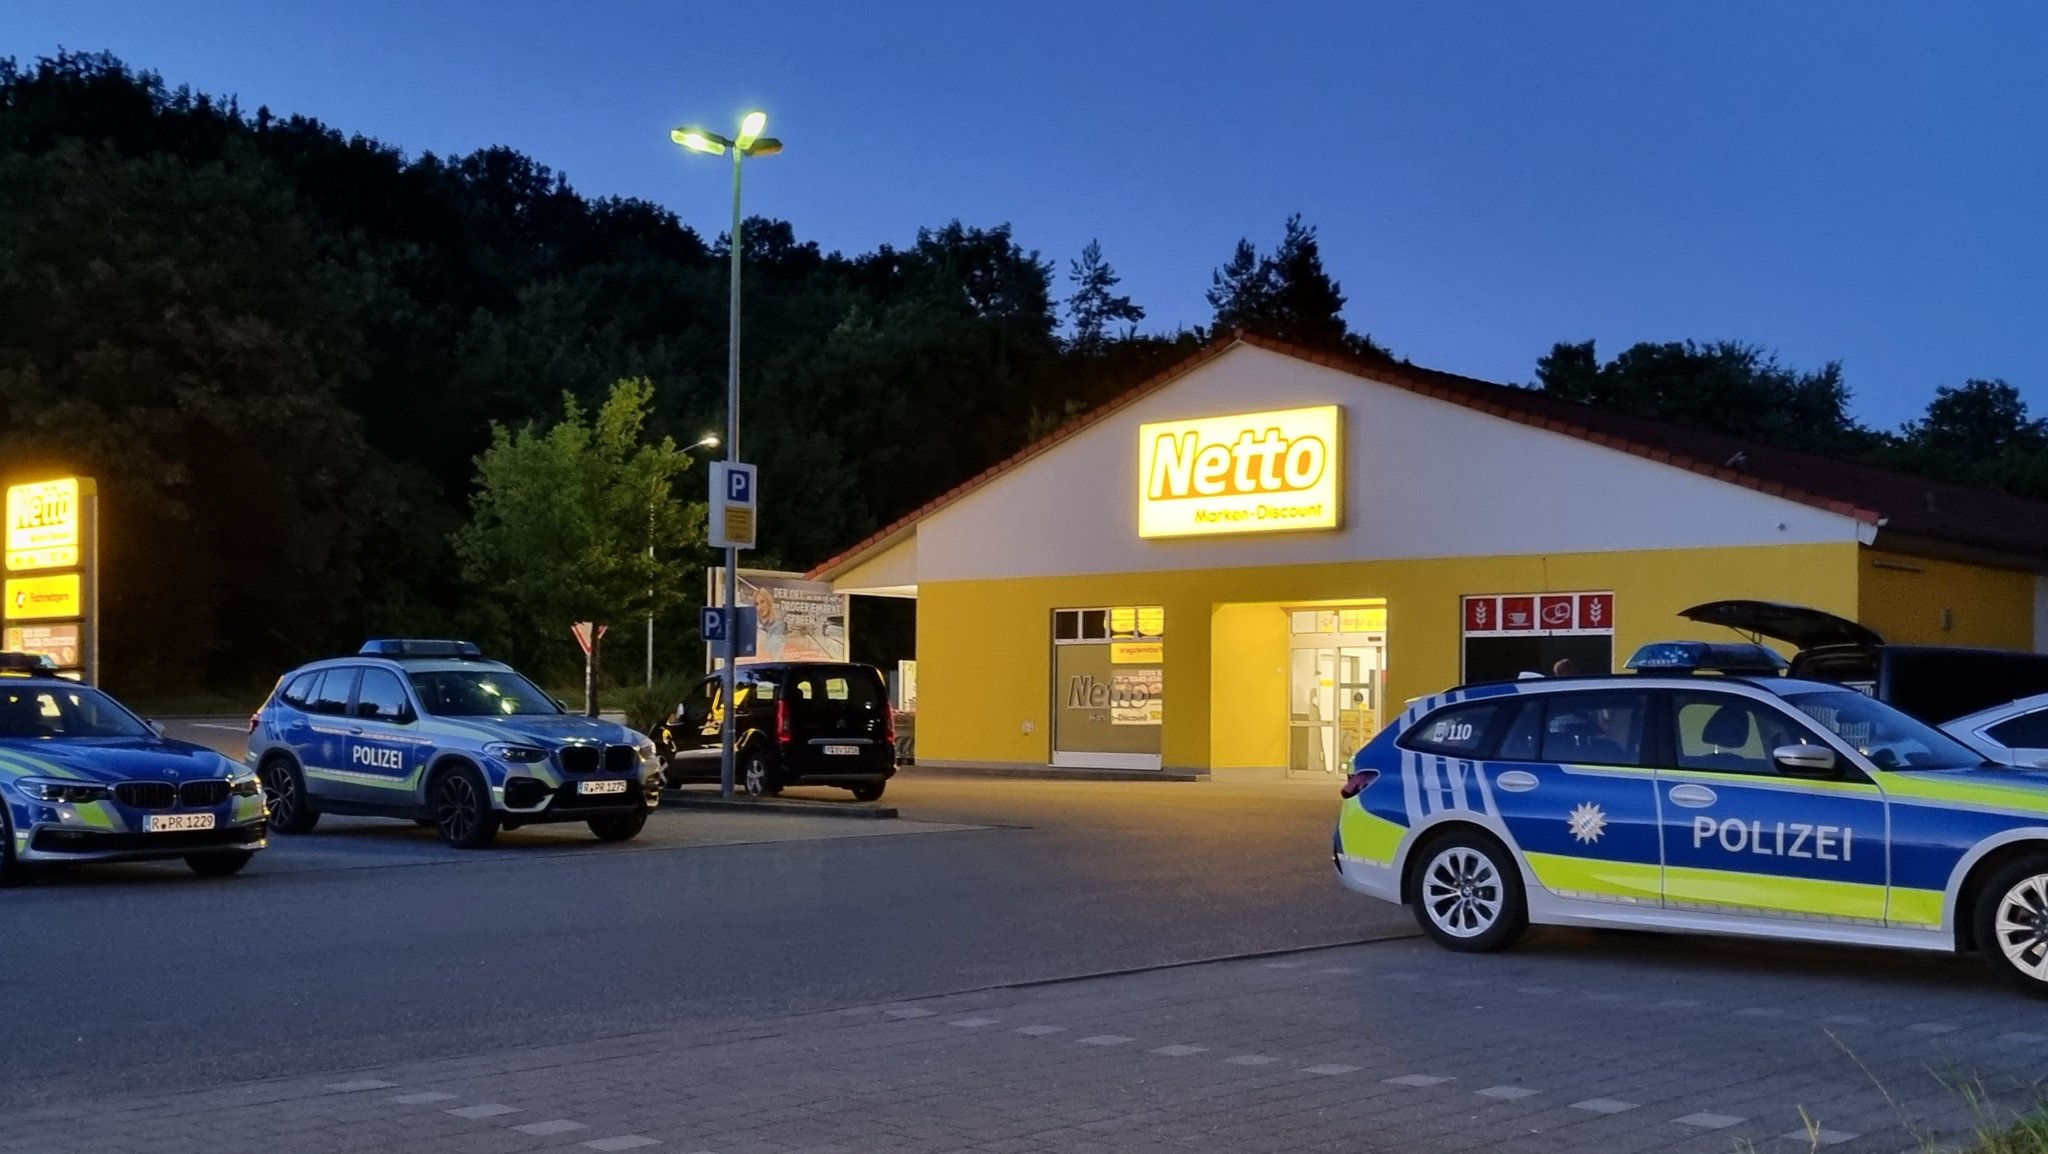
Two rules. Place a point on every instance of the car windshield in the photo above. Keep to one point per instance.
(39, 711)
(1890, 739)
(479, 693)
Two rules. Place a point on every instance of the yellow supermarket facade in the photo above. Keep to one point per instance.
(1245, 566)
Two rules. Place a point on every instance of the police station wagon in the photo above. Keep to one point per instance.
(1764, 806)
(430, 730)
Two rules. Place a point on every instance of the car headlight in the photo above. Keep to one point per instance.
(61, 792)
(648, 754)
(516, 754)
(250, 786)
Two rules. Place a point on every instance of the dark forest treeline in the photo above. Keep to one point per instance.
(280, 349)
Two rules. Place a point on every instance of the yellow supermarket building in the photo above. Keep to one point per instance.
(1244, 566)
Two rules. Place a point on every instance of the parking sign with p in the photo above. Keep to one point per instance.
(733, 503)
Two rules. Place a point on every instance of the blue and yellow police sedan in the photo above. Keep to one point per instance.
(1669, 799)
(84, 780)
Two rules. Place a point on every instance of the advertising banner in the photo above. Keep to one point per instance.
(795, 619)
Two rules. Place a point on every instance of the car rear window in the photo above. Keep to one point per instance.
(855, 687)
(1455, 731)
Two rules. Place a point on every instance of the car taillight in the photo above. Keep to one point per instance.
(1359, 779)
(782, 732)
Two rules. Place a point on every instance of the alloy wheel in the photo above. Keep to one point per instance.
(2022, 926)
(455, 811)
(280, 794)
(1462, 892)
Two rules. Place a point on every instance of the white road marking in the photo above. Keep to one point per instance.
(1710, 1121)
(1180, 1051)
(543, 1129)
(1681, 1004)
(1603, 1105)
(1331, 1070)
(1417, 1080)
(1106, 1040)
(422, 1099)
(1507, 1093)
(1339, 970)
(911, 1012)
(1284, 965)
(1820, 1137)
(487, 1110)
(1250, 1060)
(972, 1022)
(1931, 1028)
(1535, 989)
(1041, 1031)
(1760, 1012)
(2024, 1037)
(622, 1142)
(362, 1084)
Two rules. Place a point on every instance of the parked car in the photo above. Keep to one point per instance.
(1936, 683)
(1762, 806)
(811, 723)
(2015, 733)
(82, 779)
(434, 732)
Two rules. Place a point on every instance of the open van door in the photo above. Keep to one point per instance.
(1798, 625)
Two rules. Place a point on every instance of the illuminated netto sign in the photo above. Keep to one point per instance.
(1254, 473)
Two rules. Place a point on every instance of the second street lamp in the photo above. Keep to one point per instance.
(710, 442)
(748, 142)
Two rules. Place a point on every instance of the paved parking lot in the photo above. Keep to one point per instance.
(1582, 1042)
(755, 984)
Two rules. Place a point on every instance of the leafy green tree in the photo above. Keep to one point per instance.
(1977, 433)
(1095, 306)
(564, 518)
(1722, 387)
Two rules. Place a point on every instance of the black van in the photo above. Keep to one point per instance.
(1936, 683)
(810, 723)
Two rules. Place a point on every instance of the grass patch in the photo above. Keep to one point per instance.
(2029, 1135)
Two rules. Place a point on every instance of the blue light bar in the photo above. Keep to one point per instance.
(27, 663)
(412, 647)
(1707, 657)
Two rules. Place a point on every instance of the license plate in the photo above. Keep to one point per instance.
(611, 785)
(842, 750)
(176, 822)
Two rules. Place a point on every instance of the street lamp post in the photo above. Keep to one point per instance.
(749, 142)
(710, 442)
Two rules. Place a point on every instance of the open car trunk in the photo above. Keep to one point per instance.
(1800, 625)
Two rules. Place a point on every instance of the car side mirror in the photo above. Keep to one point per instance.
(406, 716)
(560, 704)
(1816, 761)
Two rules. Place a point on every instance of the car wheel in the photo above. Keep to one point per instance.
(2012, 924)
(871, 792)
(285, 798)
(219, 865)
(1467, 895)
(625, 827)
(462, 809)
(12, 872)
(758, 776)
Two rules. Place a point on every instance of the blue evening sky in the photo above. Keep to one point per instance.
(1858, 180)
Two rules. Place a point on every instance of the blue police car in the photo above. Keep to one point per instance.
(84, 780)
(1705, 792)
(434, 732)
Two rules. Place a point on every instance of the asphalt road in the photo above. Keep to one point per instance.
(368, 942)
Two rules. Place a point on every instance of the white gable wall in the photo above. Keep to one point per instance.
(1423, 478)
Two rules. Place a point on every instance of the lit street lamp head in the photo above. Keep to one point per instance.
(750, 130)
(699, 140)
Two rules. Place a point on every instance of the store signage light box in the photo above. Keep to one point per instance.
(1272, 472)
(42, 525)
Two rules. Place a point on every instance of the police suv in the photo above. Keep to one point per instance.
(1746, 803)
(430, 730)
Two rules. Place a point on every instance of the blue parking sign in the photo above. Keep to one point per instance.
(711, 624)
(739, 486)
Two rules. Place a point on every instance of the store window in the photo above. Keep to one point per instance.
(1508, 635)
(1336, 684)
(1109, 696)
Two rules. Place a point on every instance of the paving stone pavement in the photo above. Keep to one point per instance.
(1393, 1046)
